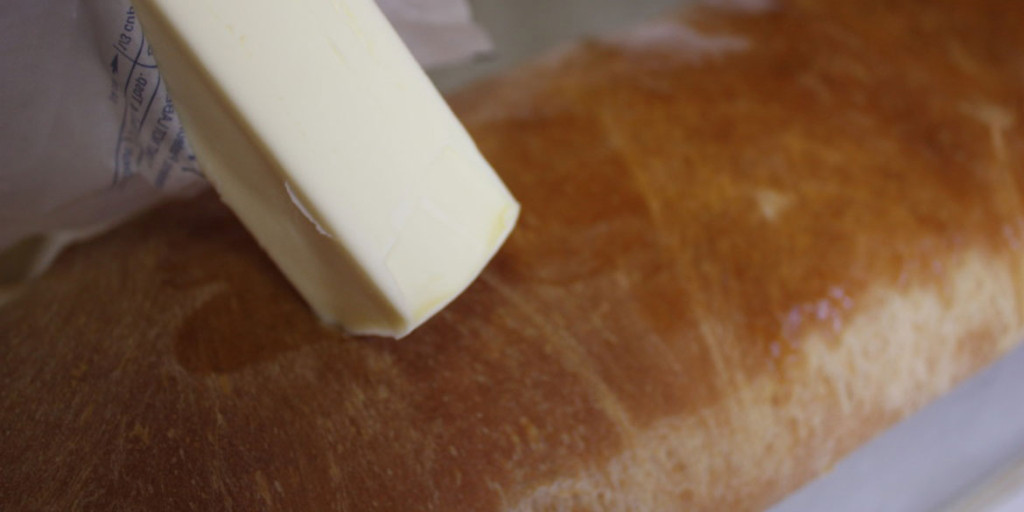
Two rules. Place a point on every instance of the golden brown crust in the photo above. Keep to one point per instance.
(750, 240)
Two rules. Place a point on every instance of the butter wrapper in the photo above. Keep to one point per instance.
(90, 135)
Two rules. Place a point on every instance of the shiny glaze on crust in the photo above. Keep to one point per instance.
(776, 181)
(708, 203)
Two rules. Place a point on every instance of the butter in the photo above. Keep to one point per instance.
(318, 128)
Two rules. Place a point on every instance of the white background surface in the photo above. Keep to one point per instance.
(521, 29)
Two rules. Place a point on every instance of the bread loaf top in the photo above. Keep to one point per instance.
(751, 238)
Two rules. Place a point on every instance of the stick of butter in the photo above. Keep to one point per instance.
(318, 128)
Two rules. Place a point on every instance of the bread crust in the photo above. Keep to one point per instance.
(751, 239)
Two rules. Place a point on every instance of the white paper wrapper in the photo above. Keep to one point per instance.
(88, 133)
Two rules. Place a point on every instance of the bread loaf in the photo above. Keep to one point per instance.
(752, 237)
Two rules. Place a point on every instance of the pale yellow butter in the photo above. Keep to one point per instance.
(317, 127)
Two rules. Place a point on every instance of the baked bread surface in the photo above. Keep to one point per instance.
(753, 236)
